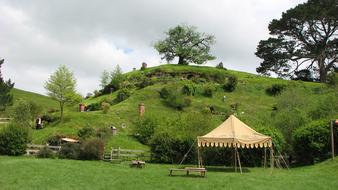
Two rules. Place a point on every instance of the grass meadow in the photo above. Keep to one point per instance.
(31, 173)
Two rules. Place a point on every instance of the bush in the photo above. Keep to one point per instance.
(70, 151)
(311, 143)
(178, 101)
(189, 89)
(144, 129)
(167, 149)
(92, 150)
(55, 140)
(220, 78)
(105, 107)
(165, 92)
(86, 132)
(103, 133)
(230, 86)
(13, 140)
(46, 153)
(122, 95)
(275, 89)
(93, 107)
(145, 81)
(49, 118)
(208, 90)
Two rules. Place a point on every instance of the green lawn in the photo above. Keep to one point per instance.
(30, 173)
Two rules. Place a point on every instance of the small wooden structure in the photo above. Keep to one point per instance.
(32, 149)
(137, 163)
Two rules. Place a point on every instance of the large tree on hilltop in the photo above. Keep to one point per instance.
(187, 44)
(305, 38)
(6, 98)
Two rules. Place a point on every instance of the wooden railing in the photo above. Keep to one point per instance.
(5, 120)
(32, 149)
(125, 154)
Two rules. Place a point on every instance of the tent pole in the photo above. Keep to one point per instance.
(264, 157)
(235, 159)
(272, 161)
(198, 156)
(332, 140)
(239, 160)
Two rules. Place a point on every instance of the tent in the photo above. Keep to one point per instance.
(233, 133)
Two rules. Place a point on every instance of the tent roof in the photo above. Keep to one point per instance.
(233, 132)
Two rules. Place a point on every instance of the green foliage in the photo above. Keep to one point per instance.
(70, 151)
(165, 92)
(45, 152)
(93, 107)
(187, 44)
(61, 87)
(311, 142)
(92, 150)
(25, 112)
(208, 90)
(6, 98)
(304, 35)
(55, 140)
(145, 129)
(324, 107)
(332, 78)
(116, 78)
(178, 101)
(13, 140)
(231, 84)
(144, 82)
(105, 79)
(105, 107)
(123, 94)
(278, 140)
(275, 89)
(86, 132)
(103, 133)
(189, 89)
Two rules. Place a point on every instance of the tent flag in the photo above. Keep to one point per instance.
(234, 133)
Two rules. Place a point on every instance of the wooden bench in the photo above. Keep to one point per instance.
(202, 171)
(137, 163)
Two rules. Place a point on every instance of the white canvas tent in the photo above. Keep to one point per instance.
(233, 133)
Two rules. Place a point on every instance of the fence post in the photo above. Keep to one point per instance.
(118, 153)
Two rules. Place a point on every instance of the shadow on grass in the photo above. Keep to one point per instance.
(226, 169)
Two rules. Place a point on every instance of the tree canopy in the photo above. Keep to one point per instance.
(187, 44)
(61, 87)
(305, 38)
(6, 98)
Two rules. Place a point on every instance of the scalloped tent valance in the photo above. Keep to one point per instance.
(234, 133)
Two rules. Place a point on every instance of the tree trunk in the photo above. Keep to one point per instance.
(322, 70)
(61, 110)
(180, 60)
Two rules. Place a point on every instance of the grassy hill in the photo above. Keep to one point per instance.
(31, 173)
(249, 101)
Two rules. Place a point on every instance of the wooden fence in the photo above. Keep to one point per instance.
(32, 149)
(120, 154)
(5, 120)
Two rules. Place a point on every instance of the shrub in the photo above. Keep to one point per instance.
(145, 81)
(13, 140)
(46, 153)
(103, 133)
(144, 129)
(92, 150)
(231, 84)
(311, 142)
(70, 151)
(178, 101)
(49, 118)
(86, 132)
(164, 92)
(208, 90)
(55, 140)
(122, 95)
(189, 89)
(105, 107)
(275, 89)
(167, 149)
(220, 77)
(93, 107)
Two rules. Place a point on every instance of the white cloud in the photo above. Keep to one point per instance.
(90, 36)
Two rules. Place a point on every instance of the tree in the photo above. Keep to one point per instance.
(105, 79)
(6, 98)
(304, 38)
(187, 44)
(61, 87)
(116, 78)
